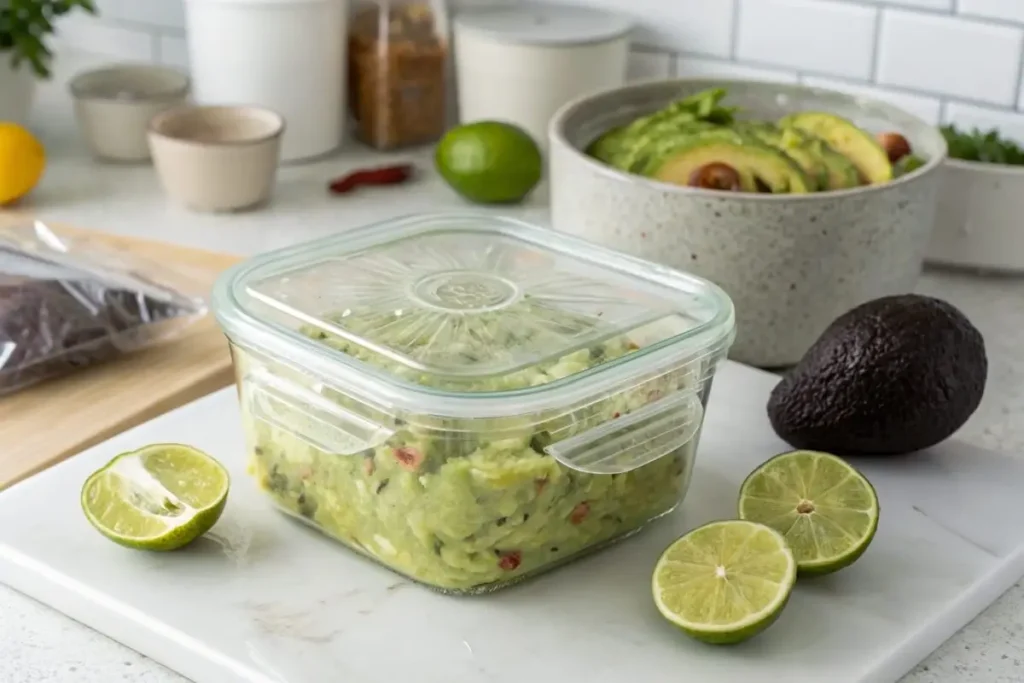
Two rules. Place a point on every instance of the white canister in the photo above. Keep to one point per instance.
(283, 55)
(521, 63)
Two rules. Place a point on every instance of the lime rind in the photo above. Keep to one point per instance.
(160, 497)
(845, 515)
(689, 563)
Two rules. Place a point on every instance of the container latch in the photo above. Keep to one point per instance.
(308, 415)
(634, 440)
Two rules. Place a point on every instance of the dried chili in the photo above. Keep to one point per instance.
(384, 175)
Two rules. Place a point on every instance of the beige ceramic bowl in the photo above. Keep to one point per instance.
(217, 158)
(114, 105)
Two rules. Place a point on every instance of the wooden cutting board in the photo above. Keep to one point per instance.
(49, 422)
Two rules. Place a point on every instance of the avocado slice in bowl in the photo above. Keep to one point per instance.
(755, 164)
(847, 139)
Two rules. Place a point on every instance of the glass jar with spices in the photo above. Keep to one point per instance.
(398, 54)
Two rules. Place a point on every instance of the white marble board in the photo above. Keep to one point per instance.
(267, 600)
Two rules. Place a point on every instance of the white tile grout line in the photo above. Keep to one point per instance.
(734, 30)
(877, 40)
(1020, 77)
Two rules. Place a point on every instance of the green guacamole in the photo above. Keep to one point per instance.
(468, 505)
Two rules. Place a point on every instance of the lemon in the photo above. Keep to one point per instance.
(22, 162)
(161, 497)
(489, 162)
(725, 582)
(826, 509)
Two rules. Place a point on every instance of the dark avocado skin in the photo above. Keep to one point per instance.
(891, 376)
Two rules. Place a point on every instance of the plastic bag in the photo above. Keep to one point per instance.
(66, 305)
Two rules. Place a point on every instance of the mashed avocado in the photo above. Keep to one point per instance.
(469, 505)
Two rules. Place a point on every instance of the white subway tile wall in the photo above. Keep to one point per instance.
(956, 61)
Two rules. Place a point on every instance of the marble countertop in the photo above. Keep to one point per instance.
(38, 644)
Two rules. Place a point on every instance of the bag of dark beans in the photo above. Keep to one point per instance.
(64, 308)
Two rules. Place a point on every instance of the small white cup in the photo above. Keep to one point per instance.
(114, 105)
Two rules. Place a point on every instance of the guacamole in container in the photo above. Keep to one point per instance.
(470, 400)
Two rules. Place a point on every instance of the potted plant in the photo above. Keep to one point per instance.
(25, 26)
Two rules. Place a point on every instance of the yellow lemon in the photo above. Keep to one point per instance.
(22, 161)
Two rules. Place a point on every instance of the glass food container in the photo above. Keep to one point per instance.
(471, 400)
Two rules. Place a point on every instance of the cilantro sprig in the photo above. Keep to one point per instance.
(985, 146)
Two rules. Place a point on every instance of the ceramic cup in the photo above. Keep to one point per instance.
(114, 105)
(217, 158)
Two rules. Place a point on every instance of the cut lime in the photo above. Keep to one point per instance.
(160, 497)
(826, 509)
(726, 581)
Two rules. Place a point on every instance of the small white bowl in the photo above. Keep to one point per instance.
(978, 224)
(217, 158)
(114, 105)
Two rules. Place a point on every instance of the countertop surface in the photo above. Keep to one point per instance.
(38, 644)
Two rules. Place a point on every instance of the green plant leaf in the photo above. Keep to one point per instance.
(25, 25)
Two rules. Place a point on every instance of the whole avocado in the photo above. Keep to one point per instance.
(894, 375)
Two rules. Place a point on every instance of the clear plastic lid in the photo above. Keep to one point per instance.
(467, 306)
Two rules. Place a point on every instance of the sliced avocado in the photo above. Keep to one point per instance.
(793, 144)
(646, 157)
(605, 147)
(847, 139)
(633, 153)
(840, 173)
(699, 107)
(755, 163)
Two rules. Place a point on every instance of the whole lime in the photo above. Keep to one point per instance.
(489, 162)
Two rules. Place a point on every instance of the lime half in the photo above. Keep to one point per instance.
(726, 581)
(826, 509)
(160, 497)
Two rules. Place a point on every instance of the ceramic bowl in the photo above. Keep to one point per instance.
(217, 158)
(114, 105)
(791, 263)
(978, 224)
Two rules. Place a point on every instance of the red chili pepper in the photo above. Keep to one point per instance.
(510, 560)
(385, 175)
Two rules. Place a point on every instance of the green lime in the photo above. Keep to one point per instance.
(489, 162)
(160, 497)
(826, 509)
(725, 582)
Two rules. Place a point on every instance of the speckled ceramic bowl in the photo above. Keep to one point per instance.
(791, 263)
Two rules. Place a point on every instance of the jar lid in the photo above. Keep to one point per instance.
(545, 24)
(448, 310)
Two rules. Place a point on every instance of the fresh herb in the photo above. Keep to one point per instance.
(977, 145)
(25, 25)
